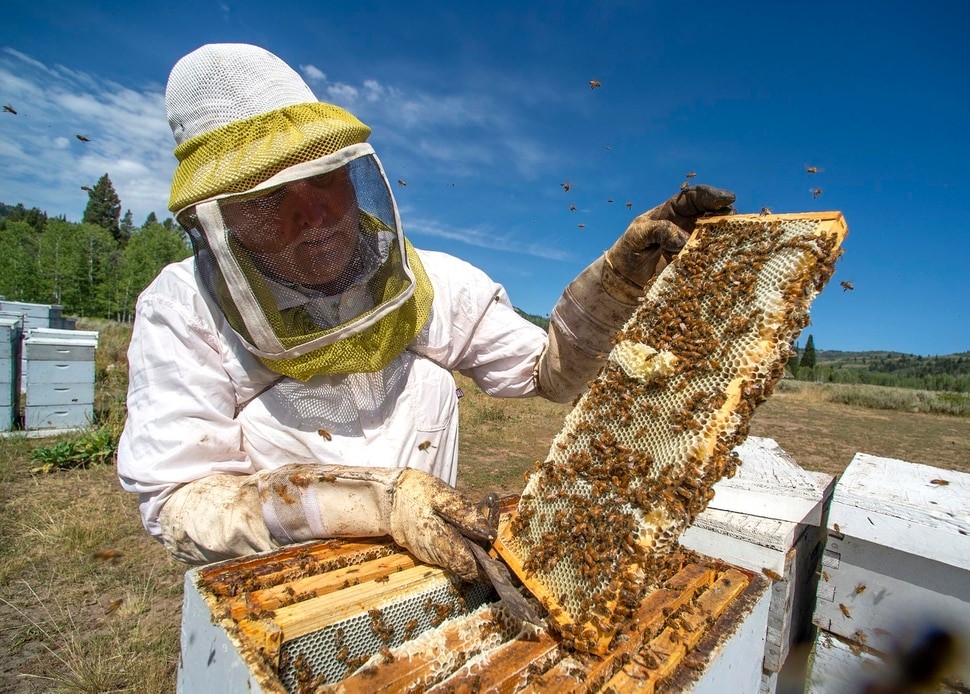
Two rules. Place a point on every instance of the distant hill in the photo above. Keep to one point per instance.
(886, 368)
(542, 322)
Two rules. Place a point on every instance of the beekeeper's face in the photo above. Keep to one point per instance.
(304, 231)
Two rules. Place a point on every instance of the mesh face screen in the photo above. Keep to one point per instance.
(637, 456)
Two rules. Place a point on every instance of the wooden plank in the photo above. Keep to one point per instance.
(315, 614)
(302, 589)
(505, 670)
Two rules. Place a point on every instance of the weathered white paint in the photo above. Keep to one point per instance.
(770, 484)
(59, 378)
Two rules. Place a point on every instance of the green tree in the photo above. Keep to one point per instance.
(147, 252)
(104, 207)
(152, 218)
(127, 226)
(74, 261)
(808, 356)
(35, 217)
(19, 270)
(792, 364)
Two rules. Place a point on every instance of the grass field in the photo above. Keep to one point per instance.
(71, 621)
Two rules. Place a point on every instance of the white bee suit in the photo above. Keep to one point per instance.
(203, 411)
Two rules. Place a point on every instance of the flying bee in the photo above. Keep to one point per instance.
(582, 226)
(816, 192)
(82, 138)
(113, 605)
(629, 205)
(593, 84)
(425, 445)
(325, 435)
(572, 208)
(846, 286)
(9, 109)
(812, 169)
(401, 182)
(566, 186)
(773, 575)
(690, 174)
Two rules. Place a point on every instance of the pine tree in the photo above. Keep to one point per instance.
(104, 207)
(127, 226)
(152, 218)
(808, 356)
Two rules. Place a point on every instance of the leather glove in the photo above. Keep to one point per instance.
(420, 512)
(656, 236)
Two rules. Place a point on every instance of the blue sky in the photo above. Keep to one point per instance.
(485, 110)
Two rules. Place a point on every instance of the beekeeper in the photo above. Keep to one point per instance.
(293, 379)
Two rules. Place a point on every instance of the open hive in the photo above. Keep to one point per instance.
(364, 616)
(639, 453)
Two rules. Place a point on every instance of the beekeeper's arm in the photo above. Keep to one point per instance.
(602, 298)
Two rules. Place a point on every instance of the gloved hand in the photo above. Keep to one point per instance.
(656, 236)
(419, 511)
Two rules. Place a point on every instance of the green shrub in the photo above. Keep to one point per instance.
(94, 447)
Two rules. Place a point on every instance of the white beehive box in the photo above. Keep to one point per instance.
(10, 336)
(59, 378)
(769, 518)
(897, 559)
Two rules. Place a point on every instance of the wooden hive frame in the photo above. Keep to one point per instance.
(639, 453)
(267, 602)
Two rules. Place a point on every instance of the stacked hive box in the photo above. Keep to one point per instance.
(896, 571)
(59, 378)
(769, 518)
(10, 331)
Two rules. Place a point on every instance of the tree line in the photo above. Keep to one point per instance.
(95, 268)
(949, 372)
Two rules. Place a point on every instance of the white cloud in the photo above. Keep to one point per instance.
(313, 74)
(483, 237)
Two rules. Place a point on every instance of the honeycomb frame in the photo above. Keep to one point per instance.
(639, 453)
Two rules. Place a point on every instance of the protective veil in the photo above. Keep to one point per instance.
(296, 233)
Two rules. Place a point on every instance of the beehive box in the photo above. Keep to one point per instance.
(897, 557)
(59, 378)
(10, 335)
(768, 518)
(341, 615)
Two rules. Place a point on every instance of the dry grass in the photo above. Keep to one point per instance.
(72, 622)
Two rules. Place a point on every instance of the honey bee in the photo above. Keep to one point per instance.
(765, 211)
(846, 286)
(845, 611)
(325, 435)
(572, 208)
(812, 169)
(113, 605)
(684, 187)
(382, 579)
(593, 84)
(425, 445)
(581, 226)
(940, 482)
(609, 201)
(859, 589)
(107, 554)
(816, 192)
(401, 182)
(629, 205)
(9, 109)
(82, 138)
(825, 576)
(773, 575)
(566, 186)
(836, 528)
(690, 174)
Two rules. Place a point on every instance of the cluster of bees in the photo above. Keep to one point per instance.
(636, 460)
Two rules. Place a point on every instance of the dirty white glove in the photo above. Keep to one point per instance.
(420, 512)
(602, 298)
